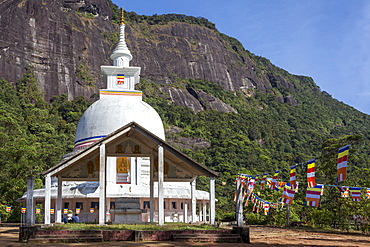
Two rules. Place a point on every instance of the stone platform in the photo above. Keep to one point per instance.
(36, 235)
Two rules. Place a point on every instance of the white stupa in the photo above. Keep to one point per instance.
(120, 103)
(127, 178)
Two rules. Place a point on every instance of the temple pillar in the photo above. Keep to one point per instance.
(200, 211)
(108, 217)
(212, 201)
(138, 170)
(239, 204)
(102, 185)
(59, 201)
(133, 170)
(204, 212)
(193, 202)
(151, 189)
(30, 212)
(47, 199)
(185, 212)
(160, 186)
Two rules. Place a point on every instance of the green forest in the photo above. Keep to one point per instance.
(263, 136)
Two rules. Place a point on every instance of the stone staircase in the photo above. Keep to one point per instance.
(70, 237)
(226, 238)
(36, 236)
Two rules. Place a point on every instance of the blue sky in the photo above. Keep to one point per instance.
(328, 40)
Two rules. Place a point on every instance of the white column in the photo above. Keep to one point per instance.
(151, 189)
(59, 201)
(204, 212)
(212, 200)
(185, 212)
(47, 199)
(239, 204)
(30, 211)
(200, 212)
(102, 185)
(138, 170)
(160, 186)
(107, 213)
(133, 171)
(193, 202)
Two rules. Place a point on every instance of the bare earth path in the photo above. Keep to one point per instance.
(260, 236)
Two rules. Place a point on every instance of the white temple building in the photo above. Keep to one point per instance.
(121, 169)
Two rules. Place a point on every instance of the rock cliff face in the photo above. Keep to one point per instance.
(66, 42)
(63, 47)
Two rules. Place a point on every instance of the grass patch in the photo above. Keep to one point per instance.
(169, 226)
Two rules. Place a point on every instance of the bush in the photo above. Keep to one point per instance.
(320, 217)
(256, 219)
(226, 216)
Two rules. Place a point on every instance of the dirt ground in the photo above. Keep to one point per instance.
(260, 236)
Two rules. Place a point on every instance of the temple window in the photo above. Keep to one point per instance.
(146, 204)
(79, 205)
(95, 205)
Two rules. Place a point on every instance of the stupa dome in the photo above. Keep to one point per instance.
(111, 113)
(120, 103)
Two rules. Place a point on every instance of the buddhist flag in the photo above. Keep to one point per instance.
(259, 206)
(8, 209)
(263, 181)
(246, 203)
(311, 173)
(92, 210)
(256, 179)
(368, 193)
(293, 177)
(313, 195)
(266, 208)
(23, 210)
(356, 193)
(288, 195)
(65, 210)
(342, 163)
(343, 191)
(274, 183)
(78, 210)
(120, 79)
(254, 207)
(250, 186)
(38, 210)
(52, 211)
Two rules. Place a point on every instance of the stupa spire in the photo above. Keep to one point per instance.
(121, 55)
(122, 21)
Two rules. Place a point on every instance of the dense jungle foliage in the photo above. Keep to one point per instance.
(265, 135)
(34, 135)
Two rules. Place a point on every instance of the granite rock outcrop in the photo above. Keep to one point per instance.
(66, 42)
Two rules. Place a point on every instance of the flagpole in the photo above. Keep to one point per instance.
(287, 215)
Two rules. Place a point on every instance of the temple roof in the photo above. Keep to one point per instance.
(130, 136)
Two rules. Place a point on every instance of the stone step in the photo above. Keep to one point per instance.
(228, 238)
(69, 233)
(65, 239)
(97, 235)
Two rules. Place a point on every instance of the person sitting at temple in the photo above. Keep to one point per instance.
(76, 219)
(64, 219)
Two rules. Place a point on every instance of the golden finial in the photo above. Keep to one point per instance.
(122, 21)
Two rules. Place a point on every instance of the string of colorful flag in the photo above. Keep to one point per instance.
(313, 193)
(8, 209)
